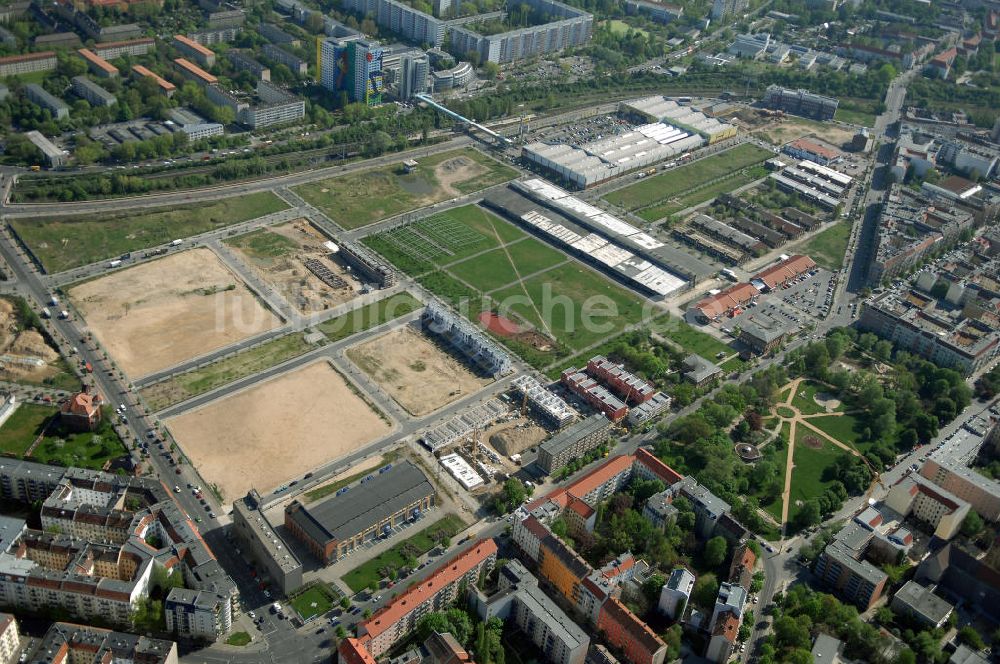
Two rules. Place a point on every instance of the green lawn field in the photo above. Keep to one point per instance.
(844, 428)
(59, 447)
(667, 185)
(447, 237)
(693, 341)
(810, 464)
(703, 195)
(360, 199)
(314, 601)
(501, 267)
(62, 243)
(828, 247)
(264, 244)
(565, 297)
(369, 316)
(806, 403)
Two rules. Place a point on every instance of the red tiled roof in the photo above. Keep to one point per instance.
(98, 61)
(599, 475)
(785, 270)
(728, 626)
(657, 467)
(162, 82)
(637, 630)
(442, 577)
(352, 651)
(82, 404)
(193, 45)
(580, 507)
(815, 148)
(718, 304)
(192, 68)
(27, 57)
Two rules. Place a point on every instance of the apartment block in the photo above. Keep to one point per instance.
(520, 601)
(800, 102)
(264, 544)
(624, 630)
(917, 496)
(395, 620)
(40, 97)
(857, 581)
(84, 88)
(189, 47)
(116, 49)
(12, 65)
(98, 65)
(573, 442)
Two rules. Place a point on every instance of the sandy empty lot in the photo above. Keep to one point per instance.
(160, 313)
(277, 430)
(410, 367)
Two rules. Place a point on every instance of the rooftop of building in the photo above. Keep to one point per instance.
(921, 600)
(443, 576)
(369, 502)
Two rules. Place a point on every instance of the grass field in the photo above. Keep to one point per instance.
(804, 399)
(851, 116)
(21, 429)
(501, 267)
(844, 428)
(369, 316)
(239, 639)
(810, 464)
(694, 341)
(774, 507)
(828, 247)
(456, 234)
(262, 243)
(621, 28)
(568, 295)
(62, 243)
(363, 198)
(199, 381)
(59, 447)
(417, 545)
(703, 195)
(314, 600)
(667, 185)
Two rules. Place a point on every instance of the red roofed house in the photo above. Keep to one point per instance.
(778, 275)
(715, 306)
(82, 411)
(720, 647)
(623, 629)
(805, 149)
(741, 569)
(352, 651)
(940, 65)
(971, 45)
(398, 618)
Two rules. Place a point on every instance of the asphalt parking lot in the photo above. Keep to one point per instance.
(789, 309)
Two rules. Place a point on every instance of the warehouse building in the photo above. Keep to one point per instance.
(361, 513)
(682, 116)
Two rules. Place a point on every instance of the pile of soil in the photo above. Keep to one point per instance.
(516, 439)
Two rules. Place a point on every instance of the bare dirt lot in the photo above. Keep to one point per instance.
(790, 129)
(24, 355)
(279, 254)
(515, 437)
(418, 374)
(160, 313)
(277, 430)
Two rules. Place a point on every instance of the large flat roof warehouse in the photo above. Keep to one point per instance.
(664, 110)
(372, 501)
(592, 163)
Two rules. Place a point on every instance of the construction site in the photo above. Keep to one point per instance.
(299, 262)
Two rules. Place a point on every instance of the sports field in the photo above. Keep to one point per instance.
(665, 186)
(477, 261)
(65, 242)
(363, 198)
